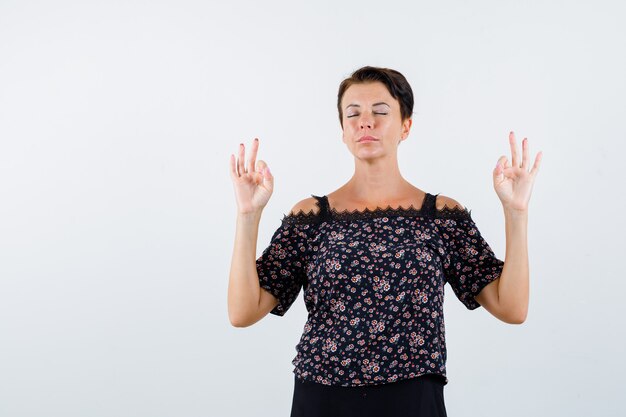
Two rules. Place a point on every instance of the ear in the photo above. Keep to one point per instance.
(406, 128)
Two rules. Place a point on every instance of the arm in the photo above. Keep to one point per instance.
(507, 297)
(253, 185)
(514, 281)
(247, 301)
(513, 184)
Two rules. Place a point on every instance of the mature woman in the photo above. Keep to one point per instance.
(373, 257)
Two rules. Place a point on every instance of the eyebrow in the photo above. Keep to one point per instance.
(375, 104)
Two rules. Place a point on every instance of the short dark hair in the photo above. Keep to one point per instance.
(395, 82)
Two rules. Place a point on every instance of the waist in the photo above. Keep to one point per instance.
(401, 385)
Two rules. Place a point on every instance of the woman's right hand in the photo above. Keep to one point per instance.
(253, 183)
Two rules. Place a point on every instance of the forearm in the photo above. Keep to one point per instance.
(243, 286)
(513, 286)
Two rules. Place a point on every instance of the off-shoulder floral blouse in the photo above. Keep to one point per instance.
(374, 287)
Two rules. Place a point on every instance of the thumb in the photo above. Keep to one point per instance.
(267, 174)
(268, 178)
(498, 172)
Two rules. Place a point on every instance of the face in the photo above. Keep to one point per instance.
(369, 110)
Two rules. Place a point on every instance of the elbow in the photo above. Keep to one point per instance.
(237, 322)
(517, 318)
(238, 317)
(234, 322)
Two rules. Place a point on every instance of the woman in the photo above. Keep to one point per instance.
(373, 257)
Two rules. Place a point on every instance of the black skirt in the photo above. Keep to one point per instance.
(421, 396)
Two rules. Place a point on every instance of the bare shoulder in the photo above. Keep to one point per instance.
(306, 206)
(443, 201)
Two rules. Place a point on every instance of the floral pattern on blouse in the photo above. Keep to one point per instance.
(373, 285)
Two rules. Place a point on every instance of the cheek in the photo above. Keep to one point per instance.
(350, 124)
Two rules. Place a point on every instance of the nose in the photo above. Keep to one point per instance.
(367, 122)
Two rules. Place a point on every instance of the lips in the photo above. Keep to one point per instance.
(367, 139)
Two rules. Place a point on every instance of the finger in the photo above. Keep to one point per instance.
(266, 175)
(233, 167)
(253, 152)
(242, 154)
(513, 150)
(500, 166)
(261, 164)
(536, 165)
(525, 153)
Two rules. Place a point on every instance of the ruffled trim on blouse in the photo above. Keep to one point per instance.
(322, 213)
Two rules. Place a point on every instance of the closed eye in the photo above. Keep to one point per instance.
(353, 115)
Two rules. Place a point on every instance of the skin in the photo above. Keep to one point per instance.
(377, 179)
(507, 297)
(377, 182)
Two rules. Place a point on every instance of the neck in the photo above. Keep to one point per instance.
(376, 182)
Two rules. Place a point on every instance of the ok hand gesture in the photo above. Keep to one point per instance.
(513, 182)
(253, 184)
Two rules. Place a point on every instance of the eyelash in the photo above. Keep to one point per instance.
(357, 115)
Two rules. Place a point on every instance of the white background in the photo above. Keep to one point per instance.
(117, 212)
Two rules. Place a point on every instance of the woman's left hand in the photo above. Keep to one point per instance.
(513, 182)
